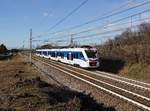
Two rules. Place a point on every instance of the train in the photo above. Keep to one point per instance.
(80, 57)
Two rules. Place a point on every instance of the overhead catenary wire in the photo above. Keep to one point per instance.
(116, 9)
(68, 15)
(114, 30)
(113, 23)
(99, 18)
(105, 32)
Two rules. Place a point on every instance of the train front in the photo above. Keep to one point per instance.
(93, 61)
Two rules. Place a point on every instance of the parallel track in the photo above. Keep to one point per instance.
(128, 91)
(144, 84)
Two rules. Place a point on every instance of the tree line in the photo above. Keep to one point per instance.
(3, 49)
(132, 46)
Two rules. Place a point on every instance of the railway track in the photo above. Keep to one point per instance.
(144, 84)
(134, 92)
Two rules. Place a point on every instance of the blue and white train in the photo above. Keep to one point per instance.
(82, 57)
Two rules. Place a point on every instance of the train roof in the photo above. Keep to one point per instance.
(67, 49)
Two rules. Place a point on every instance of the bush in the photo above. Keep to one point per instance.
(3, 49)
(132, 47)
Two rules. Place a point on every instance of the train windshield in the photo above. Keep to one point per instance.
(90, 54)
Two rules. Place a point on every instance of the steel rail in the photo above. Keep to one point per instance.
(148, 99)
(120, 77)
(121, 81)
(114, 93)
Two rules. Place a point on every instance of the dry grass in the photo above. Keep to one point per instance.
(137, 71)
(21, 89)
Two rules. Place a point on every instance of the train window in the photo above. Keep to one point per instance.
(76, 55)
(65, 54)
(49, 53)
(81, 55)
(68, 56)
(45, 53)
(58, 54)
(53, 54)
(62, 54)
(91, 54)
(72, 56)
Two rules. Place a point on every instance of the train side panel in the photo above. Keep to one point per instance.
(73, 56)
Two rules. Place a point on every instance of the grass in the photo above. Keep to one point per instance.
(21, 89)
(137, 71)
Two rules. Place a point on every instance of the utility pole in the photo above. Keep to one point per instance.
(23, 46)
(131, 22)
(30, 56)
(71, 41)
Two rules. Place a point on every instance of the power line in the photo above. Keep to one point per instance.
(69, 14)
(95, 20)
(116, 9)
(114, 30)
(107, 31)
(115, 21)
(100, 18)
(108, 26)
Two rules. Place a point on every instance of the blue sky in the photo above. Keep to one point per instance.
(18, 16)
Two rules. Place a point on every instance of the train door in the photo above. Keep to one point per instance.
(81, 59)
(76, 60)
(70, 58)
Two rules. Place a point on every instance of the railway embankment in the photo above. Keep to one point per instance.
(81, 80)
(23, 88)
